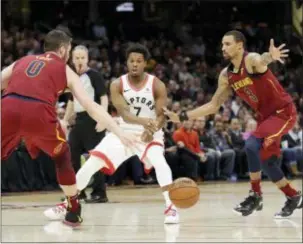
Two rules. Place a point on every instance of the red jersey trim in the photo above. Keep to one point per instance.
(121, 85)
(154, 86)
(135, 88)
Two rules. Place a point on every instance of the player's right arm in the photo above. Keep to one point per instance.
(69, 111)
(123, 109)
(258, 63)
(6, 74)
(96, 111)
(221, 95)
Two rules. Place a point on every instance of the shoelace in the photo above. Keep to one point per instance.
(288, 204)
(170, 211)
(247, 201)
(59, 208)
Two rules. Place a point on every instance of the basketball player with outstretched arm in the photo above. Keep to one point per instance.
(250, 78)
(32, 86)
(139, 98)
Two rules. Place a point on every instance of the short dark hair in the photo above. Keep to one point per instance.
(138, 48)
(238, 36)
(55, 39)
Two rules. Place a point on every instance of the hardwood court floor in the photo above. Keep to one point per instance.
(136, 215)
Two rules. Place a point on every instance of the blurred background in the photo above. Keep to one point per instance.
(184, 39)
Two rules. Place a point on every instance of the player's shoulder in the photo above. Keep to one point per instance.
(26, 58)
(224, 71)
(250, 56)
(156, 81)
(223, 76)
(116, 82)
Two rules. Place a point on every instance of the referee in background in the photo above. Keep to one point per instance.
(83, 135)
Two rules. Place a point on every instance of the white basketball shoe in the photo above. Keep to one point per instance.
(56, 213)
(171, 215)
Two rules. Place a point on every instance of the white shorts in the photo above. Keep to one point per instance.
(114, 153)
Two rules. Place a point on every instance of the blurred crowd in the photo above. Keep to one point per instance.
(209, 148)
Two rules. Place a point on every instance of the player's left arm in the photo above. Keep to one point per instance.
(258, 62)
(160, 94)
(6, 74)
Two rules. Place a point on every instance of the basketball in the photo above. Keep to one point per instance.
(184, 193)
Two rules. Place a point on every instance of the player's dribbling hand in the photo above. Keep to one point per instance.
(277, 53)
(150, 125)
(147, 136)
(173, 117)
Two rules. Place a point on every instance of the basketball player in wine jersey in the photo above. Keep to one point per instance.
(139, 98)
(32, 86)
(250, 78)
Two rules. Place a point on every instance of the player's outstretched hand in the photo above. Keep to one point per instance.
(277, 53)
(173, 117)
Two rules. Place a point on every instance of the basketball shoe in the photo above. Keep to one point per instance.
(61, 212)
(58, 212)
(73, 219)
(171, 215)
(290, 206)
(252, 203)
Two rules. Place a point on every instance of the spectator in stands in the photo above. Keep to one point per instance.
(223, 146)
(171, 154)
(190, 152)
(237, 141)
(207, 144)
(251, 126)
(292, 152)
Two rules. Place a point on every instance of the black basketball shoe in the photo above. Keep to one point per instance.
(73, 218)
(252, 203)
(290, 205)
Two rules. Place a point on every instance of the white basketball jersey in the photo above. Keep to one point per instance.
(141, 102)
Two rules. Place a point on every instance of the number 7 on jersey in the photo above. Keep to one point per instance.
(138, 110)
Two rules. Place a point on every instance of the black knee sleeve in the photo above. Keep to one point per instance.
(252, 149)
(272, 169)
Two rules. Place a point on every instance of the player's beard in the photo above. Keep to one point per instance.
(66, 56)
(226, 56)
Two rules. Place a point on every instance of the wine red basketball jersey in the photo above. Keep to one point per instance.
(262, 92)
(39, 76)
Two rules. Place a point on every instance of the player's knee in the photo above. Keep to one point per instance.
(253, 145)
(65, 172)
(272, 169)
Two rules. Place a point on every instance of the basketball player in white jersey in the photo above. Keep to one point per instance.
(139, 98)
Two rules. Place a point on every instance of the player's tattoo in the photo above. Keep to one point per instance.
(266, 58)
(223, 96)
(223, 92)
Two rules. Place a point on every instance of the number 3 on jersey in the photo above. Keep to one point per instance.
(34, 68)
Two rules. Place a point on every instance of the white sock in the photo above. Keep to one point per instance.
(91, 166)
(163, 172)
(166, 198)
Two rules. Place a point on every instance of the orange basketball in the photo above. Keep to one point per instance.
(184, 193)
